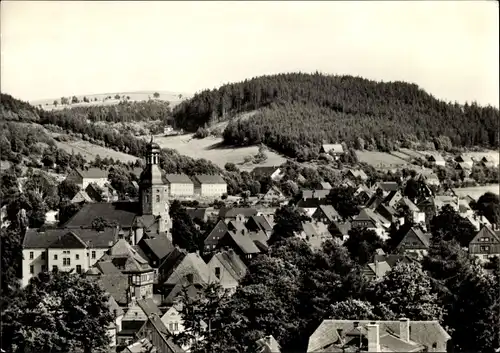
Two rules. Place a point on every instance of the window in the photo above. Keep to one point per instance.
(171, 326)
(93, 254)
(44, 268)
(217, 272)
(54, 268)
(32, 269)
(43, 255)
(176, 326)
(78, 269)
(55, 256)
(31, 255)
(77, 257)
(484, 248)
(157, 198)
(66, 261)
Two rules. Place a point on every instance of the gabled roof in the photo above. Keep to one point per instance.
(124, 257)
(164, 334)
(217, 232)
(82, 196)
(336, 148)
(388, 186)
(178, 179)
(210, 179)
(367, 214)
(264, 171)
(329, 211)
(160, 245)
(232, 263)
(149, 307)
(326, 185)
(436, 157)
(425, 238)
(266, 226)
(61, 237)
(268, 344)
(421, 332)
(193, 264)
(123, 213)
(487, 232)
(93, 173)
(244, 242)
(463, 166)
(463, 158)
(235, 211)
(379, 268)
(358, 173)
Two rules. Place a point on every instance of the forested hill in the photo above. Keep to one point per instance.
(304, 110)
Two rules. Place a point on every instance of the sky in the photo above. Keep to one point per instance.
(53, 49)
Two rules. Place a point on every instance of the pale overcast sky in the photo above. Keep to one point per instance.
(53, 49)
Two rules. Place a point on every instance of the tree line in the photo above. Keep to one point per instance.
(304, 110)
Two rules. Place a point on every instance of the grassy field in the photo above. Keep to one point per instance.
(173, 97)
(412, 153)
(211, 149)
(479, 155)
(477, 191)
(380, 159)
(89, 151)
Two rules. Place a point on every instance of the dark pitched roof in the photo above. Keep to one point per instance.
(421, 332)
(166, 336)
(232, 263)
(123, 213)
(145, 221)
(93, 173)
(116, 285)
(329, 211)
(388, 186)
(217, 232)
(244, 242)
(235, 211)
(178, 179)
(209, 179)
(197, 213)
(149, 307)
(264, 171)
(160, 245)
(170, 263)
(66, 238)
(262, 221)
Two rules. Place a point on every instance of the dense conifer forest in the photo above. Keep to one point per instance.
(300, 111)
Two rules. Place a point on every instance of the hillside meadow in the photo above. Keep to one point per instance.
(212, 149)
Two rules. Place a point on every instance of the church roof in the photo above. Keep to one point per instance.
(123, 213)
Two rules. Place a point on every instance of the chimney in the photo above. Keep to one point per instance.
(373, 338)
(404, 329)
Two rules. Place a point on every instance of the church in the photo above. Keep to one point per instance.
(148, 216)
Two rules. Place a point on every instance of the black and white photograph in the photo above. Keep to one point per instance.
(249, 176)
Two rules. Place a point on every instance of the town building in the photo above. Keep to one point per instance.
(379, 336)
(486, 244)
(179, 185)
(84, 177)
(63, 250)
(210, 186)
(228, 268)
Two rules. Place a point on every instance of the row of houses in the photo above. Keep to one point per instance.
(179, 185)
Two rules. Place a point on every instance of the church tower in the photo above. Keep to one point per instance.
(153, 188)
